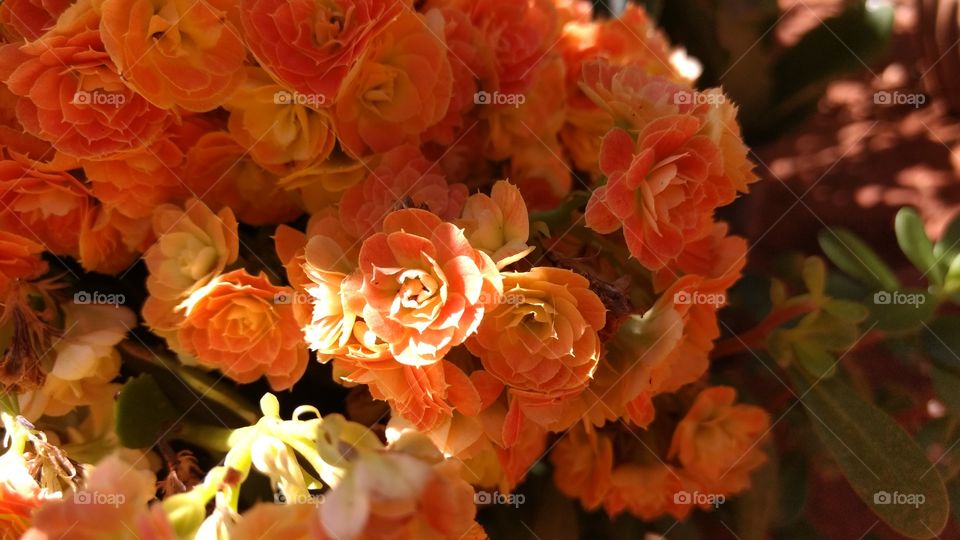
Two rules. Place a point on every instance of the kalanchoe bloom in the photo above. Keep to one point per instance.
(498, 224)
(84, 359)
(311, 46)
(402, 87)
(662, 190)
(42, 203)
(647, 491)
(243, 326)
(426, 288)
(110, 242)
(137, 182)
(19, 259)
(193, 245)
(284, 131)
(718, 442)
(396, 495)
(542, 336)
(109, 506)
(583, 463)
(223, 174)
(174, 52)
(71, 93)
(403, 178)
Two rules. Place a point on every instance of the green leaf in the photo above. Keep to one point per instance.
(144, 413)
(854, 257)
(949, 244)
(880, 460)
(814, 359)
(941, 341)
(904, 309)
(916, 245)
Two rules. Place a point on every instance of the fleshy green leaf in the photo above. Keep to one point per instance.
(883, 464)
(144, 413)
(916, 245)
(814, 359)
(855, 258)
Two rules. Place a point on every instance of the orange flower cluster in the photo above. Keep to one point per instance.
(713, 450)
(369, 138)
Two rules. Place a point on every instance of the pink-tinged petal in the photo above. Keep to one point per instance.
(616, 151)
(598, 215)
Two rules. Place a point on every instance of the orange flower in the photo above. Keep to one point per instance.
(111, 242)
(221, 172)
(138, 182)
(426, 288)
(31, 18)
(311, 46)
(174, 52)
(718, 442)
(284, 131)
(542, 336)
(662, 190)
(15, 510)
(541, 174)
(73, 96)
(193, 245)
(582, 465)
(43, 203)
(19, 259)
(403, 178)
(646, 491)
(236, 324)
(718, 257)
(113, 500)
(515, 38)
(498, 224)
(395, 495)
(402, 87)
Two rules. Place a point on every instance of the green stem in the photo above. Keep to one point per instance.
(559, 217)
(212, 438)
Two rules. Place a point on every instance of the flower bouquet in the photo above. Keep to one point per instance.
(366, 269)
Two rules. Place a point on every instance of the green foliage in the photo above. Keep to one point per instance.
(883, 464)
(144, 413)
